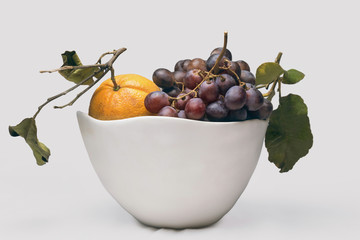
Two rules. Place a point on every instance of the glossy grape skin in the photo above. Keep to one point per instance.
(238, 115)
(233, 69)
(218, 51)
(243, 65)
(263, 112)
(181, 102)
(179, 66)
(179, 76)
(163, 78)
(168, 111)
(192, 78)
(247, 77)
(224, 82)
(181, 114)
(155, 101)
(173, 91)
(210, 62)
(208, 91)
(216, 111)
(186, 64)
(235, 98)
(197, 63)
(254, 100)
(195, 109)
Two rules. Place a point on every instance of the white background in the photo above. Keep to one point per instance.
(64, 199)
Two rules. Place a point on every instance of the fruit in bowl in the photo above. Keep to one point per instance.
(187, 166)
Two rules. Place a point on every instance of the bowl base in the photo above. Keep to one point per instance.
(177, 226)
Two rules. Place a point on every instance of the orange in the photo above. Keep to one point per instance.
(126, 102)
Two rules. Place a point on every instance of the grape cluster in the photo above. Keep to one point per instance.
(203, 90)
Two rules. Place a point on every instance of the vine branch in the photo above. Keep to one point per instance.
(278, 58)
(274, 83)
(106, 67)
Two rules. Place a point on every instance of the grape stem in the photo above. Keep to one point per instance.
(278, 58)
(215, 68)
(106, 67)
(210, 74)
(274, 83)
(271, 90)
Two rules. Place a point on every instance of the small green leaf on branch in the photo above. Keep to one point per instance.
(76, 75)
(268, 72)
(288, 137)
(292, 76)
(27, 130)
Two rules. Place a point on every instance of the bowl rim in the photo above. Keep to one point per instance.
(165, 118)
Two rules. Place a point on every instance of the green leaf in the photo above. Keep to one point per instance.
(27, 130)
(76, 75)
(292, 76)
(288, 137)
(268, 72)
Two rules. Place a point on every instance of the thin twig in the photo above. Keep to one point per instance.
(278, 57)
(271, 90)
(215, 68)
(279, 89)
(106, 67)
(82, 92)
(64, 92)
(73, 68)
(277, 81)
(103, 55)
(116, 86)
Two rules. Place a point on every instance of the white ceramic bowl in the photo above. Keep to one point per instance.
(172, 172)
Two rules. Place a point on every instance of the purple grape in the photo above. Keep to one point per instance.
(235, 98)
(192, 78)
(195, 109)
(224, 82)
(218, 51)
(264, 111)
(238, 115)
(173, 91)
(247, 77)
(210, 62)
(186, 64)
(179, 76)
(163, 78)
(197, 63)
(182, 101)
(168, 112)
(181, 114)
(208, 91)
(155, 101)
(254, 100)
(216, 111)
(179, 66)
(243, 65)
(233, 69)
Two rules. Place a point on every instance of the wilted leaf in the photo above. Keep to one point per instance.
(292, 76)
(76, 75)
(27, 130)
(288, 137)
(268, 72)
